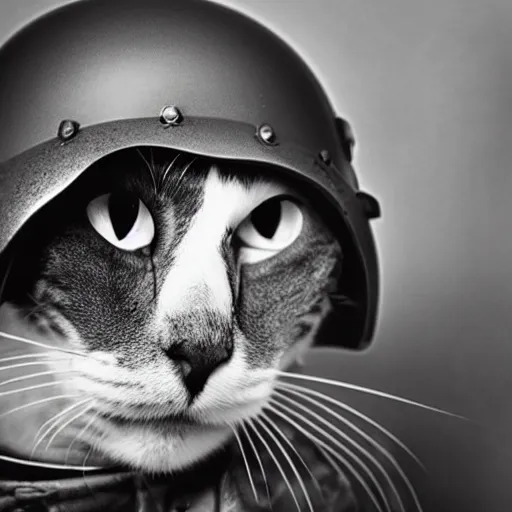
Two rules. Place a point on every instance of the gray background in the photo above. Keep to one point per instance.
(428, 89)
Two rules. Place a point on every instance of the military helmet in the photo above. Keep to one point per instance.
(98, 76)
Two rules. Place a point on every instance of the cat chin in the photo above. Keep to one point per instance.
(162, 451)
(165, 446)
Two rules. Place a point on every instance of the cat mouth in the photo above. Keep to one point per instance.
(179, 421)
(161, 420)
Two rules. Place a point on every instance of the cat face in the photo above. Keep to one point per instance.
(185, 284)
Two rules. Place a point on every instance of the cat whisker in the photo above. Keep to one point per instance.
(321, 444)
(36, 402)
(291, 388)
(32, 376)
(348, 439)
(86, 458)
(369, 391)
(80, 434)
(168, 168)
(5, 278)
(150, 168)
(330, 459)
(25, 356)
(38, 306)
(272, 425)
(151, 158)
(32, 311)
(32, 388)
(301, 390)
(43, 345)
(47, 465)
(68, 422)
(338, 468)
(346, 450)
(258, 458)
(249, 473)
(290, 462)
(180, 179)
(52, 422)
(34, 300)
(274, 458)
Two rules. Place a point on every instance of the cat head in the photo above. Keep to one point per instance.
(155, 294)
(189, 75)
(177, 285)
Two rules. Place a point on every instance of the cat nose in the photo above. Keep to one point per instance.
(197, 362)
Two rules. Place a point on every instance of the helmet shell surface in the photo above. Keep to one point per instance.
(109, 67)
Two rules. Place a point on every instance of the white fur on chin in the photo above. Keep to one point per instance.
(154, 451)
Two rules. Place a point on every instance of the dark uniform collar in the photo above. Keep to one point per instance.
(35, 489)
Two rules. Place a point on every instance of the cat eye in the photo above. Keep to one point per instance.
(270, 228)
(122, 219)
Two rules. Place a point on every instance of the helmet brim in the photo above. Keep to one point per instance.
(32, 179)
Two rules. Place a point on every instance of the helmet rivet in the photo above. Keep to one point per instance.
(170, 115)
(267, 134)
(325, 157)
(67, 130)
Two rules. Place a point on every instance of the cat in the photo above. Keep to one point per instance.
(174, 289)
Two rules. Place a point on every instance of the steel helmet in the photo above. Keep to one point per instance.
(98, 76)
